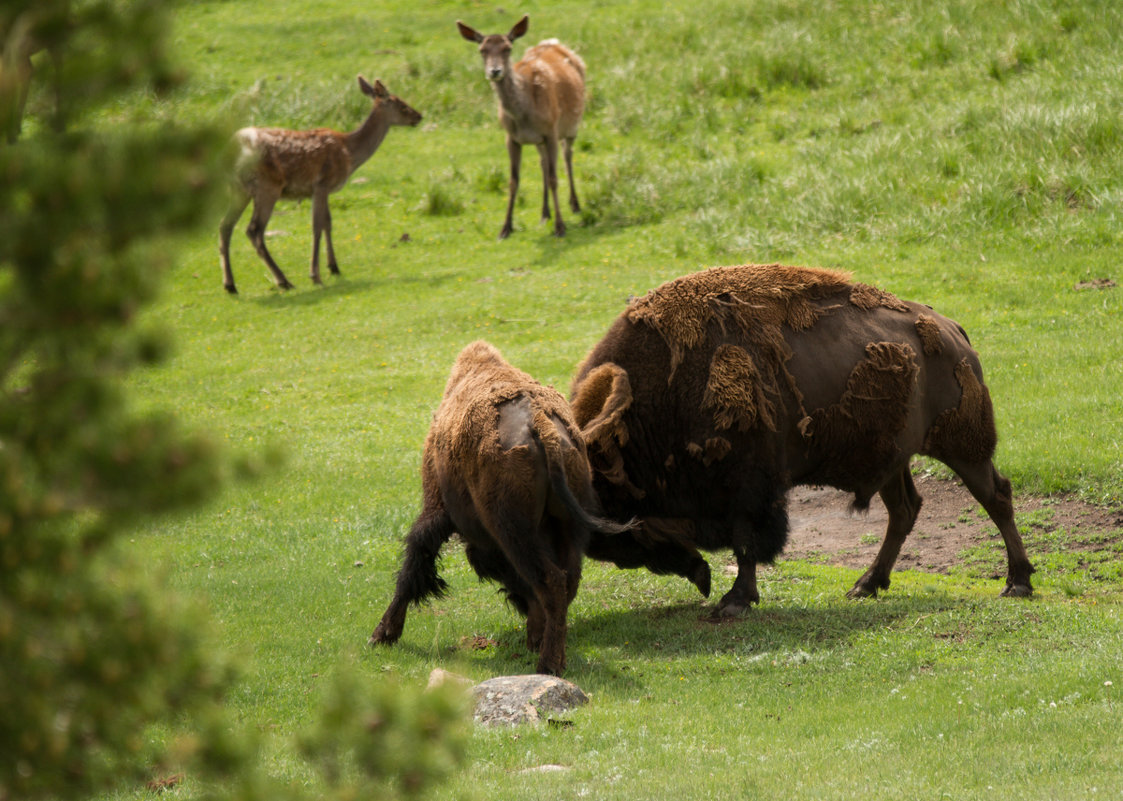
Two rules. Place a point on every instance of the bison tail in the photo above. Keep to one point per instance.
(560, 485)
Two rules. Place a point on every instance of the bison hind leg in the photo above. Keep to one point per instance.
(902, 502)
(993, 491)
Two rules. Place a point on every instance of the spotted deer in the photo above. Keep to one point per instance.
(541, 100)
(276, 163)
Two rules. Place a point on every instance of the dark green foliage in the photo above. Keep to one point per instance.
(91, 656)
(380, 742)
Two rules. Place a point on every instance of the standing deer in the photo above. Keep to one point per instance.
(541, 100)
(277, 163)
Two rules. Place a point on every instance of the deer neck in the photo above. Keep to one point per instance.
(512, 92)
(364, 140)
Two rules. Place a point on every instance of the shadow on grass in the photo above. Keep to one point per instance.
(688, 630)
(613, 648)
(337, 287)
(554, 251)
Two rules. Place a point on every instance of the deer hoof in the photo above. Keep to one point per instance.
(233, 290)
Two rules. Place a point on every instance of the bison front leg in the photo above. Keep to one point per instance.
(418, 579)
(743, 594)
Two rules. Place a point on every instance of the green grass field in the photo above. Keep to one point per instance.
(962, 153)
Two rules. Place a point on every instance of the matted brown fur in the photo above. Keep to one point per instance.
(968, 431)
(462, 430)
(868, 417)
(734, 392)
(929, 332)
(715, 449)
(753, 297)
(869, 297)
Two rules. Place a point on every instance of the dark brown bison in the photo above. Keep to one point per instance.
(505, 467)
(713, 395)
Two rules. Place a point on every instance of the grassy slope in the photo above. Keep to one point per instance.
(960, 153)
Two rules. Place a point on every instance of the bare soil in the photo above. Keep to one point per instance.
(824, 529)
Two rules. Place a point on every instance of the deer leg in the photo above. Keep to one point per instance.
(573, 204)
(543, 161)
(262, 211)
(418, 578)
(902, 502)
(549, 154)
(321, 224)
(238, 202)
(515, 154)
(992, 490)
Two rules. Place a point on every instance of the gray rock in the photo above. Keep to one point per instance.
(511, 700)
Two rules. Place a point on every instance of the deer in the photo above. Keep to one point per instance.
(541, 100)
(277, 163)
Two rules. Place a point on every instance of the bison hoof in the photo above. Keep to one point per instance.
(733, 607)
(1017, 591)
(729, 611)
(862, 591)
(382, 636)
(549, 669)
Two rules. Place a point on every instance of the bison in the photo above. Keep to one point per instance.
(714, 394)
(505, 467)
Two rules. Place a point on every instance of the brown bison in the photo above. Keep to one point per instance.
(504, 467)
(713, 395)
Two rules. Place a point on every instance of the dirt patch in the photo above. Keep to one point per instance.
(823, 529)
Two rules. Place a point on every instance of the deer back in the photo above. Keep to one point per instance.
(293, 164)
(554, 78)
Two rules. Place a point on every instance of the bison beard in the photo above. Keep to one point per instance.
(713, 395)
(505, 467)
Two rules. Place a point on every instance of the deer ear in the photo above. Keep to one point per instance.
(380, 90)
(365, 87)
(520, 28)
(469, 33)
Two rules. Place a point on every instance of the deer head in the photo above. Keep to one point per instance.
(495, 48)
